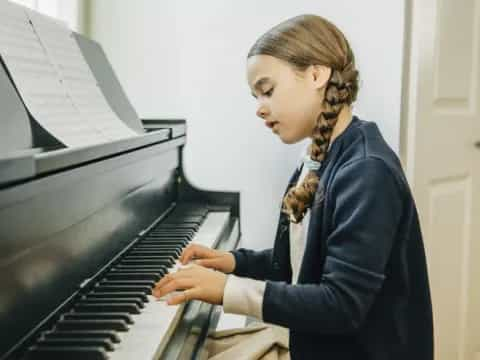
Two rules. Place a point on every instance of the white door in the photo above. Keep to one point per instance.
(440, 127)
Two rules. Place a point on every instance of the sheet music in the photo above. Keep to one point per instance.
(77, 77)
(54, 80)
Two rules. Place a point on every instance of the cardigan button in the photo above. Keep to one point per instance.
(276, 265)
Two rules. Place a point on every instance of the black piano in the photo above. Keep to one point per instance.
(86, 232)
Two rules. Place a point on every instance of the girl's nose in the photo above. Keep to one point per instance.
(262, 112)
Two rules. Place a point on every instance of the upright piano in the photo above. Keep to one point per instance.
(85, 232)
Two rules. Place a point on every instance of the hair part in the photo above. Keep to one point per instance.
(312, 40)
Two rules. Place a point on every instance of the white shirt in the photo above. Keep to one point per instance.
(244, 295)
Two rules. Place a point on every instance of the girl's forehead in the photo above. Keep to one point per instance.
(259, 63)
(263, 66)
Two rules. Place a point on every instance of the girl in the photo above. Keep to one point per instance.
(347, 274)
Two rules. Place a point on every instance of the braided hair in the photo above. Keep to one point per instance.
(312, 40)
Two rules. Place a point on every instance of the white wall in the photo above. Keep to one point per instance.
(187, 59)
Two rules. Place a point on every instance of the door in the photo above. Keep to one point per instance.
(439, 149)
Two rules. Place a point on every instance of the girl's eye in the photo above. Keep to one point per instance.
(269, 92)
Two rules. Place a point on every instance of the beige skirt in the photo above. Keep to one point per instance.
(256, 341)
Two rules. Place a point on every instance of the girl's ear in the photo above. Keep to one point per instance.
(320, 75)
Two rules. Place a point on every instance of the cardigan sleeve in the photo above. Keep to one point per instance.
(367, 206)
(253, 264)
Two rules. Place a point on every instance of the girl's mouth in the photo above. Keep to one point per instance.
(271, 124)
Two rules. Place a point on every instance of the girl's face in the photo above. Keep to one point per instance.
(289, 101)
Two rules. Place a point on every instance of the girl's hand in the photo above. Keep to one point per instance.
(223, 261)
(197, 283)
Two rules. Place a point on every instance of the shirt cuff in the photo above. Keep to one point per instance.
(243, 296)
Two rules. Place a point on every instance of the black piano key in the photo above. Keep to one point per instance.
(120, 275)
(116, 325)
(162, 270)
(67, 352)
(173, 229)
(135, 270)
(174, 223)
(180, 226)
(152, 245)
(114, 287)
(133, 286)
(185, 238)
(188, 235)
(160, 243)
(170, 232)
(152, 252)
(159, 247)
(165, 257)
(120, 295)
(185, 219)
(156, 251)
(167, 239)
(178, 240)
(179, 243)
(157, 257)
(123, 268)
(136, 283)
(160, 262)
(100, 316)
(104, 343)
(82, 334)
(187, 225)
(152, 248)
(169, 257)
(115, 307)
(150, 257)
(91, 299)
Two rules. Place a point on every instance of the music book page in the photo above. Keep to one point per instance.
(77, 77)
(54, 80)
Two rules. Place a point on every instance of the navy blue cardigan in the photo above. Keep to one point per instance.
(363, 290)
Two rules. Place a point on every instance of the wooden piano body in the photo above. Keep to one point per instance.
(68, 215)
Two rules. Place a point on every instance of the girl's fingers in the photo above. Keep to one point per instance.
(187, 254)
(167, 278)
(173, 285)
(171, 277)
(194, 251)
(192, 294)
(177, 299)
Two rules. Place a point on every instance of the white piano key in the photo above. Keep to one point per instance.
(153, 327)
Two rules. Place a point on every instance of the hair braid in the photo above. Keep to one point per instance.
(338, 93)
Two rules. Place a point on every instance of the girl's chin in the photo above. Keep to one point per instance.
(288, 138)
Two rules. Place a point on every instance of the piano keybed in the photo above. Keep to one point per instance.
(98, 325)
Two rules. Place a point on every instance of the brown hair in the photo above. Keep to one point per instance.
(312, 40)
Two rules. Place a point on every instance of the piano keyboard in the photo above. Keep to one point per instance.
(119, 318)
